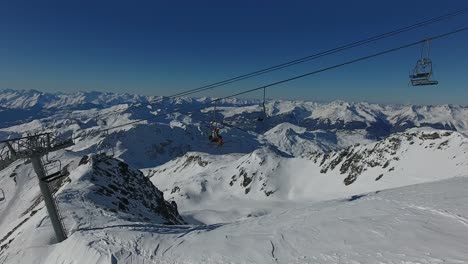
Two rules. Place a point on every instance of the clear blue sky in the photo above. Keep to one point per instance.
(164, 47)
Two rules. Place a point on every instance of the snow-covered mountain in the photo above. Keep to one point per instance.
(27, 99)
(377, 120)
(405, 158)
(311, 183)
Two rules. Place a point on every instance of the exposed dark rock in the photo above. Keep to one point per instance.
(378, 178)
(128, 191)
(355, 160)
(350, 179)
(387, 163)
(84, 160)
(434, 135)
(175, 189)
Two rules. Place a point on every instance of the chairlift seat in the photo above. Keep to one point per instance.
(421, 82)
(55, 176)
(422, 72)
(420, 75)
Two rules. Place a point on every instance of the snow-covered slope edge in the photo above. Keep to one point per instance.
(100, 191)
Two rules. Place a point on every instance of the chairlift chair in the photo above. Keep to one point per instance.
(263, 115)
(214, 135)
(422, 72)
(56, 166)
(2, 195)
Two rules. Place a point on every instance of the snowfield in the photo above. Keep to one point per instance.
(312, 183)
(423, 223)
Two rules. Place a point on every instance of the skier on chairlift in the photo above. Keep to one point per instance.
(216, 137)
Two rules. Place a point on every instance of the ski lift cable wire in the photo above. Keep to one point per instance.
(290, 63)
(291, 79)
(345, 63)
(324, 53)
(304, 59)
(321, 54)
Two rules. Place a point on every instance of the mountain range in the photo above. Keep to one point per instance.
(302, 182)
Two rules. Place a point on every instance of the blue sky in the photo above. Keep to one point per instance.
(164, 47)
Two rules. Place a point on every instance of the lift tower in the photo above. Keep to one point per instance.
(34, 147)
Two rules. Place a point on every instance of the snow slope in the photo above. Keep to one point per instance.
(198, 180)
(99, 191)
(424, 223)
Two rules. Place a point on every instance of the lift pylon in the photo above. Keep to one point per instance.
(34, 147)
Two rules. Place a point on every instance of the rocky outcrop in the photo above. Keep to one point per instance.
(353, 161)
(117, 188)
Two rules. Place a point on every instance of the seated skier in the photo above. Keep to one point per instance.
(216, 137)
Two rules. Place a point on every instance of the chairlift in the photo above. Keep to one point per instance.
(215, 135)
(56, 166)
(422, 73)
(263, 115)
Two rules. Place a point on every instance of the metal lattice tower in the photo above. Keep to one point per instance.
(34, 147)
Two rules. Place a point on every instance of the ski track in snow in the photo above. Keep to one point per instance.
(458, 218)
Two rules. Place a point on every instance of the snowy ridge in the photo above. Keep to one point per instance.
(100, 190)
(296, 141)
(113, 186)
(412, 157)
(24, 99)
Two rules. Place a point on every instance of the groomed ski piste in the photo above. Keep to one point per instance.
(301, 187)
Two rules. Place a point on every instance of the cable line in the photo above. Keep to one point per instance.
(345, 63)
(320, 54)
(290, 79)
(304, 59)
